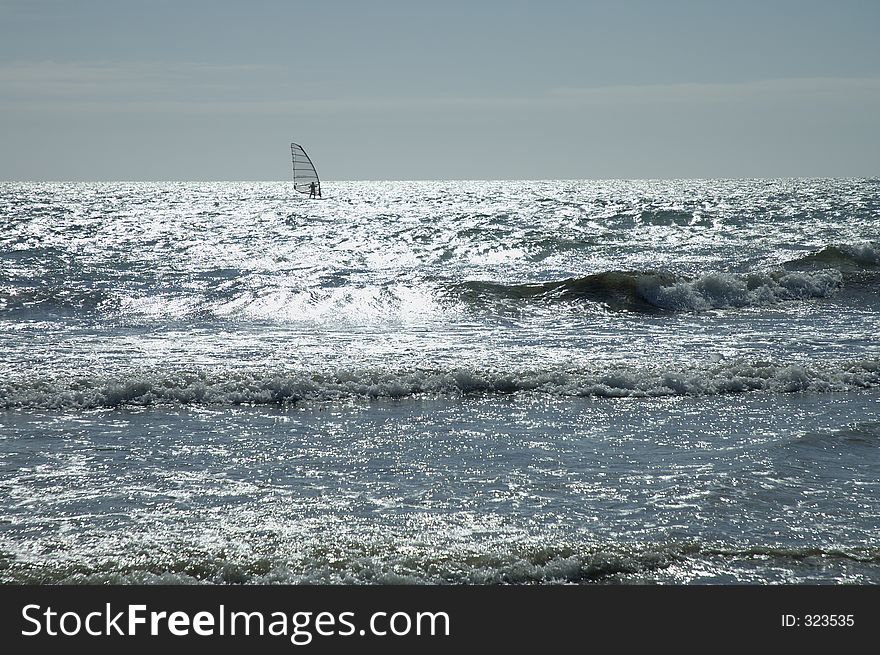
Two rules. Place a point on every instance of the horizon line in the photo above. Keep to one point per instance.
(444, 179)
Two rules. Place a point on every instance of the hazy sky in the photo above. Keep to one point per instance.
(216, 90)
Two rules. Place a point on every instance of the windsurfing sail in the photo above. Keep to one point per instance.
(304, 173)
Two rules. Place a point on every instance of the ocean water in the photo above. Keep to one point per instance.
(547, 382)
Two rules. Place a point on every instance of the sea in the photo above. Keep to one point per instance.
(440, 382)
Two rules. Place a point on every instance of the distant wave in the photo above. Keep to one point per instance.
(845, 257)
(667, 217)
(384, 564)
(817, 275)
(63, 301)
(655, 292)
(267, 387)
(646, 292)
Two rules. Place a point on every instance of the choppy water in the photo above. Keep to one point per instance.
(442, 382)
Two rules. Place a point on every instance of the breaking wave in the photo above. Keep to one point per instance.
(818, 275)
(357, 564)
(655, 292)
(845, 257)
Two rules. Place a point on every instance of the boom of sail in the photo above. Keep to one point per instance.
(304, 173)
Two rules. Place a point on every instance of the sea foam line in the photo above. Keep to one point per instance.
(269, 387)
(384, 563)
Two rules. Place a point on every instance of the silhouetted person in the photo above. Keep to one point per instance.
(312, 188)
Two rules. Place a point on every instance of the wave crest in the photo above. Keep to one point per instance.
(845, 257)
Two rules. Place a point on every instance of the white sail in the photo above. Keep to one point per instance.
(304, 173)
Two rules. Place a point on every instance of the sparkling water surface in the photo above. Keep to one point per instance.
(440, 382)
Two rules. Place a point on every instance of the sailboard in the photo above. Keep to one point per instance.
(304, 173)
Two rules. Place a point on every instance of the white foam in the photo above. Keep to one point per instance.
(268, 387)
(727, 290)
(864, 253)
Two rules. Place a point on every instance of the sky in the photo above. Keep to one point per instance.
(441, 89)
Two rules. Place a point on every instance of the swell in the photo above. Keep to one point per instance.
(618, 290)
(864, 434)
(278, 387)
